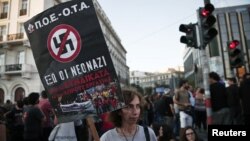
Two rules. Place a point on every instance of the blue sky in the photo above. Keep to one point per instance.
(149, 30)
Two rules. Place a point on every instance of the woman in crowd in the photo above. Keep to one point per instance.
(163, 132)
(191, 135)
(126, 121)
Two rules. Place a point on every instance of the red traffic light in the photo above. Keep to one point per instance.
(233, 44)
(207, 10)
(204, 13)
(236, 58)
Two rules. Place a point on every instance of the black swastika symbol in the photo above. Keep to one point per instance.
(68, 42)
(64, 43)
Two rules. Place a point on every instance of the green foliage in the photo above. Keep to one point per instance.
(138, 88)
(148, 90)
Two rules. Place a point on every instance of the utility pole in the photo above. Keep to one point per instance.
(199, 39)
(206, 70)
(205, 67)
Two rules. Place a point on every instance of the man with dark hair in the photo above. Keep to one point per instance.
(234, 101)
(182, 99)
(44, 94)
(183, 82)
(126, 121)
(33, 118)
(163, 110)
(15, 122)
(8, 105)
(218, 100)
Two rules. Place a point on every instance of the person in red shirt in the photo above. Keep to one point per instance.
(47, 109)
(106, 124)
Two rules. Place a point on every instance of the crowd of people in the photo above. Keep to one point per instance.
(177, 115)
(29, 119)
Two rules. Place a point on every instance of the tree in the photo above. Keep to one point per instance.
(138, 88)
(148, 90)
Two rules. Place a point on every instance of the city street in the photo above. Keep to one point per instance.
(102, 65)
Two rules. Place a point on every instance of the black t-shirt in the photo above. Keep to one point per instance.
(245, 96)
(169, 100)
(218, 96)
(233, 96)
(162, 106)
(32, 122)
(14, 118)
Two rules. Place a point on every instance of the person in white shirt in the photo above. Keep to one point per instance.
(125, 121)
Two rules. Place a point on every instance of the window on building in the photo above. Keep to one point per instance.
(2, 62)
(1, 96)
(246, 26)
(21, 31)
(23, 9)
(132, 73)
(234, 25)
(223, 30)
(2, 31)
(4, 10)
(2, 59)
(19, 94)
(188, 64)
(20, 57)
(21, 28)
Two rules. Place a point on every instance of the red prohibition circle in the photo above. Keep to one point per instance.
(69, 33)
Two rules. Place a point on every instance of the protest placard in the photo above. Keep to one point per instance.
(73, 60)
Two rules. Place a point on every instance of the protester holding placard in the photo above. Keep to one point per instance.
(73, 61)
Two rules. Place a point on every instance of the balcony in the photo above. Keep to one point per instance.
(12, 39)
(14, 69)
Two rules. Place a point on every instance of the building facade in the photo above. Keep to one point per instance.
(18, 72)
(146, 79)
(233, 23)
(137, 76)
(116, 49)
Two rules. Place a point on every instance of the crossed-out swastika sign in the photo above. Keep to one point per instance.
(64, 43)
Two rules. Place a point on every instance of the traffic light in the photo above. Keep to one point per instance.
(207, 22)
(235, 55)
(190, 38)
